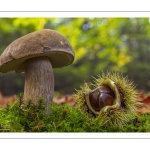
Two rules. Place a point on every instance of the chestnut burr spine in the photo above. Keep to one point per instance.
(39, 80)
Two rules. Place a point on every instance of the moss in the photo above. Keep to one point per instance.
(32, 118)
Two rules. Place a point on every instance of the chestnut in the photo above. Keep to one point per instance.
(101, 97)
(113, 100)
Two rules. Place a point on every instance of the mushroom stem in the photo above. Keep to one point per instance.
(39, 80)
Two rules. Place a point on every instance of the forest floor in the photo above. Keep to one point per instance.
(69, 99)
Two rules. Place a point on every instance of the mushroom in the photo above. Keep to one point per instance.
(36, 54)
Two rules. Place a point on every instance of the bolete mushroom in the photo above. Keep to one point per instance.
(36, 54)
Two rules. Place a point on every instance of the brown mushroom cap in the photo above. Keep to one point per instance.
(43, 42)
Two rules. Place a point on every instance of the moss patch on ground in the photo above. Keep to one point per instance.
(32, 118)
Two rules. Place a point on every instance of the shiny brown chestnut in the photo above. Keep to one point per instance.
(101, 97)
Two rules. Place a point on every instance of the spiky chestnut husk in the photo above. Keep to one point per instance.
(122, 105)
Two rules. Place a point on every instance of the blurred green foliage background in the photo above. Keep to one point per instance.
(100, 44)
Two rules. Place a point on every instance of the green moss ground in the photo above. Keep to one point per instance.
(32, 118)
